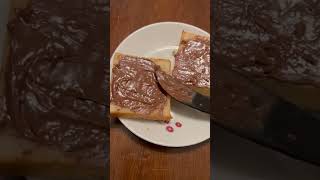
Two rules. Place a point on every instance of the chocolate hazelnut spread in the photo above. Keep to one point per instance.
(237, 103)
(192, 63)
(174, 87)
(57, 76)
(273, 39)
(4, 117)
(135, 86)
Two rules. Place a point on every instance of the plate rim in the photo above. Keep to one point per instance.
(122, 120)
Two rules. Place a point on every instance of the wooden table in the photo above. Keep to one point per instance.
(130, 157)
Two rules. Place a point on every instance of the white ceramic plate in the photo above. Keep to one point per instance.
(160, 40)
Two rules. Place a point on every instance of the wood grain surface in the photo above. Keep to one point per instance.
(130, 157)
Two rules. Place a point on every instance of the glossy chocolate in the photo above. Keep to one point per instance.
(273, 39)
(192, 63)
(4, 116)
(174, 87)
(58, 75)
(135, 86)
(237, 104)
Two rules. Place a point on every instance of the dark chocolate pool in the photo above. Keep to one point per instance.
(269, 39)
(57, 75)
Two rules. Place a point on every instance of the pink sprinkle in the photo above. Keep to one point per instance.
(178, 124)
(169, 129)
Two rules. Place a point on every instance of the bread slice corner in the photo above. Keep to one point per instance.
(158, 114)
(187, 36)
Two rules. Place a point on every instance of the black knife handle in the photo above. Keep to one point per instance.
(201, 102)
(294, 130)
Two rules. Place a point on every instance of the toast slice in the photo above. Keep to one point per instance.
(185, 37)
(157, 114)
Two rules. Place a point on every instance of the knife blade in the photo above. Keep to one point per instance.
(182, 93)
(254, 113)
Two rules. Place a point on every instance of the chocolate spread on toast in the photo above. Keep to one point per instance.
(174, 87)
(134, 85)
(270, 39)
(192, 63)
(57, 85)
(4, 117)
(237, 104)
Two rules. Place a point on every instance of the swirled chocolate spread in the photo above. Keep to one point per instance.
(58, 76)
(4, 117)
(273, 39)
(237, 103)
(174, 87)
(192, 62)
(134, 85)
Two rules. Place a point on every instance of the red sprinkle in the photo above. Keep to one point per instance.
(178, 124)
(169, 129)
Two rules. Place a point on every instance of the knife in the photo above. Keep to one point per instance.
(182, 93)
(265, 118)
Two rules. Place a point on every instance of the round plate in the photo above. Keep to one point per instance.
(189, 126)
